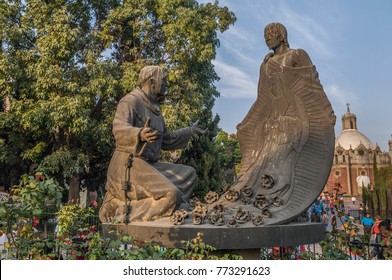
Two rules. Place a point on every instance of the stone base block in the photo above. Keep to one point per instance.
(237, 238)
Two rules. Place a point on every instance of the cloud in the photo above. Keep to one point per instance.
(335, 92)
(339, 98)
(235, 83)
(303, 31)
(340, 95)
(240, 54)
(242, 45)
(308, 32)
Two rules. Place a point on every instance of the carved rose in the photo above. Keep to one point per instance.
(277, 201)
(199, 214)
(211, 197)
(267, 181)
(232, 195)
(242, 216)
(261, 201)
(178, 217)
(232, 222)
(216, 218)
(258, 220)
(246, 191)
(198, 219)
(266, 213)
(246, 200)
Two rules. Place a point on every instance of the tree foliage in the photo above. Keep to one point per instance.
(229, 155)
(64, 64)
(385, 177)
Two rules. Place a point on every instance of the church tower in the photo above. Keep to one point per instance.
(353, 159)
(349, 120)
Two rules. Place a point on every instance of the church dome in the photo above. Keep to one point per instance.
(352, 138)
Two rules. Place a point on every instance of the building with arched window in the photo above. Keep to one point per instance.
(354, 156)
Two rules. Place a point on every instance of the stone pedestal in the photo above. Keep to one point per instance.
(239, 239)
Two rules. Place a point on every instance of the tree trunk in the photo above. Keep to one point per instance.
(73, 193)
(7, 104)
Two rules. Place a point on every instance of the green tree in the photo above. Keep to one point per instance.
(385, 175)
(229, 155)
(65, 64)
(383, 183)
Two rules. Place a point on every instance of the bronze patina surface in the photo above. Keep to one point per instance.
(286, 140)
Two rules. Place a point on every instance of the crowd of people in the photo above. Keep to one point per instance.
(330, 211)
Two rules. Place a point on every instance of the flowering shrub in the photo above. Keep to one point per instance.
(78, 237)
(20, 215)
(196, 249)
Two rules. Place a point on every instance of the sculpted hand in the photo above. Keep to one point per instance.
(197, 130)
(149, 135)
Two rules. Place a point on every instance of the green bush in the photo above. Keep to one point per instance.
(20, 214)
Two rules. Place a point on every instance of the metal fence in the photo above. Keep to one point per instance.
(357, 214)
(310, 251)
(48, 221)
(355, 250)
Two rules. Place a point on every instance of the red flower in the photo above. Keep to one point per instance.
(35, 221)
(94, 204)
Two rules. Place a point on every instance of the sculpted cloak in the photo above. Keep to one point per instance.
(286, 142)
(156, 188)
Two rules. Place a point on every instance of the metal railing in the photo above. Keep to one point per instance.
(357, 214)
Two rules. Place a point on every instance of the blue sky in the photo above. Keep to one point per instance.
(349, 42)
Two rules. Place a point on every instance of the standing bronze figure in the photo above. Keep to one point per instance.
(287, 137)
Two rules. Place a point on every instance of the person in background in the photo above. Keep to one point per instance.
(348, 211)
(332, 204)
(375, 229)
(324, 219)
(367, 223)
(333, 221)
(360, 209)
(347, 227)
(382, 239)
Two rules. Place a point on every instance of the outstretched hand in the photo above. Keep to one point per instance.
(197, 130)
(149, 134)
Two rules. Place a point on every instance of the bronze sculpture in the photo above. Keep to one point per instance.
(286, 139)
(139, 188)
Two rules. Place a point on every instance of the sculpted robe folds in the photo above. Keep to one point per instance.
(157, 189)
(288, 134)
